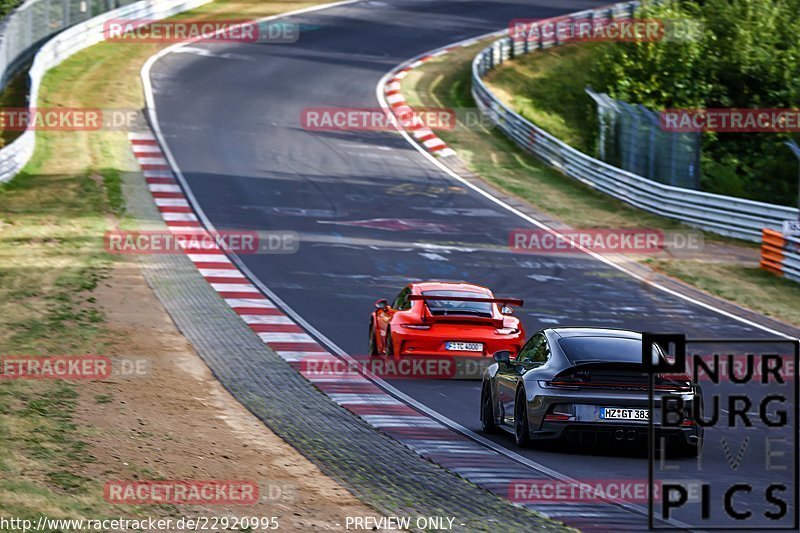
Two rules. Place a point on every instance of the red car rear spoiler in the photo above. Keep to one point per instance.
(505, 301)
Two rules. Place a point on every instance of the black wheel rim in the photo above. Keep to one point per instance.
(518, 421)
(485, 408)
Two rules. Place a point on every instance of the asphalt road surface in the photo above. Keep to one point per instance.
(230, 114)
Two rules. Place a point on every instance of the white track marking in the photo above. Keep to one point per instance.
(266, 319)
(262, 303)
(146, 148)
(143, 136)
(280, 336)
(208, 258)
(152, 161)
(163, 187)
(171, 202)
(234, 287)
(232, 272)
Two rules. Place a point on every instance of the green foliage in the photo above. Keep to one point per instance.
(7, 5)
(747, 55)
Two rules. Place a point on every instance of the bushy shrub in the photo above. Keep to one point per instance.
(747, 56)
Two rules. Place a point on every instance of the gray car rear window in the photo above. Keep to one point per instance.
(617, 349)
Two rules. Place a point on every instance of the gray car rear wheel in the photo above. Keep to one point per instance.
(521, 431)
(487, 410)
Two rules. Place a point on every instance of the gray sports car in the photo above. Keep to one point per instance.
(588, 386)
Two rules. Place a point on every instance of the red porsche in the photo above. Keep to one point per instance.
(439, 318)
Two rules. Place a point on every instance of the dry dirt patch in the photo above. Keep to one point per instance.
(178, 422)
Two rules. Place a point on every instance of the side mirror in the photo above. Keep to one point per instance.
(503, 357)
(383, 305)
(507, 310)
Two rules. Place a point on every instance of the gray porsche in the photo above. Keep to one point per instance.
(587, 386)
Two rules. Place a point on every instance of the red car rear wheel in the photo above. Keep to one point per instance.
(373, 345)
(390, 351)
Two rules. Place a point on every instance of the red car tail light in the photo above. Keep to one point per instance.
(506, 331)
(416, 326)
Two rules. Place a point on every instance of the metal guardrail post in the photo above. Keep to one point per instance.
(698, 141)
(672, 166)
(651, 148)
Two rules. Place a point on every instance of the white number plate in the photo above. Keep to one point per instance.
(464, 346)
(613, 413)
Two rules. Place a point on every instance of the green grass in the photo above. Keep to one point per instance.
(547, 88)
(446, 82)
(52, 219)
(103, 398)
(750, 287)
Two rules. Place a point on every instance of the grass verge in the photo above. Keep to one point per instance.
(446, 82)
(547, 88)
(751, 287)
(52, 219)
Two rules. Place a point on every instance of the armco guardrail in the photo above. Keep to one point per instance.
(33, 21)
(726, 215)
(780, 254)
(74, 39)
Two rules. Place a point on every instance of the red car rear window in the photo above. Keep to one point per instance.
(450, 307)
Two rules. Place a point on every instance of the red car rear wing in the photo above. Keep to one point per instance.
(504, 301)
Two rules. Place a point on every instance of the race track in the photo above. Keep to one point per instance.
(230, 115)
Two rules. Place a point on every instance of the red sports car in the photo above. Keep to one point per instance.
(444, 319)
